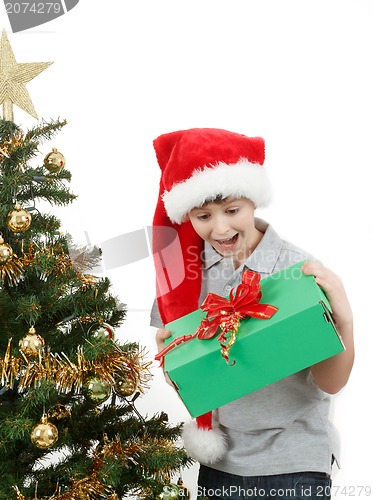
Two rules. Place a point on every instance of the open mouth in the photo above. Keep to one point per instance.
(228, 243)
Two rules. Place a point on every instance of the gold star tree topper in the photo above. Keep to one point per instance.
(13, 79)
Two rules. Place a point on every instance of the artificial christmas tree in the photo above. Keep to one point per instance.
(69, 428)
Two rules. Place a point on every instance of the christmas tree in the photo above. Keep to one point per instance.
(69, 427)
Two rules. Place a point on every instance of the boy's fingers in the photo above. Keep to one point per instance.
(165, 334)
(324, 277)
(311, 267)
(160, 337)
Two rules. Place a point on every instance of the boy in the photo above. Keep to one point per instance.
(279, 439)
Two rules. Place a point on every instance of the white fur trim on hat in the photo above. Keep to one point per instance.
(204, 445)
(240, 180)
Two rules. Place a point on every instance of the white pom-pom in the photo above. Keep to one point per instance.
(205, 446)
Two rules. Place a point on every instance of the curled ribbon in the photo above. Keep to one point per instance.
(225, 314)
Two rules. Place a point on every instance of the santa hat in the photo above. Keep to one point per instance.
(198, 165)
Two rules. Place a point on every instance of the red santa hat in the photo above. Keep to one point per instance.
(198, 165)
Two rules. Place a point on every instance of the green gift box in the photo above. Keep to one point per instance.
(299, 335)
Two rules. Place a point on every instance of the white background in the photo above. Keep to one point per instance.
(298, 73)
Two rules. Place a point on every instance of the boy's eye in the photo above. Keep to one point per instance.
(203, 217)
(232, 211)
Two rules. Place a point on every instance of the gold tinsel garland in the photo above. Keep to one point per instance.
(88, 488)
(11, 268)
(13, 142)
(12, 271)
(60, 262)
(91, 487)
(49, 259)
(69, 376)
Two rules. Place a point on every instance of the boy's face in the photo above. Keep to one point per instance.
(228, 226)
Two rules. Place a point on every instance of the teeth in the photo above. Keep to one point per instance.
(227, 241)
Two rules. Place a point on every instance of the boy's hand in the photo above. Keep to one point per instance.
(334, 290)
(332, 374)
(160, 337)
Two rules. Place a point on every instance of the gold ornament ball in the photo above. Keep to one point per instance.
(54, 162)
(96, 390)
(31, 343)
(6, 252)
(125, 387)
(44, 435)
(58, 412)
(104, 331)
(18, 220)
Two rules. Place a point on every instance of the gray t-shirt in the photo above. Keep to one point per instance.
(284, 427)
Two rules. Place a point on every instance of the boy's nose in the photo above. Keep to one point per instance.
(221, 227)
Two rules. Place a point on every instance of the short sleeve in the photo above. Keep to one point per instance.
(155, 318)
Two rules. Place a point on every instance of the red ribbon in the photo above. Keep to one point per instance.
(226, 314)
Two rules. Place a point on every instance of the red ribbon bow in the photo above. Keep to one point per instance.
(226, 314)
